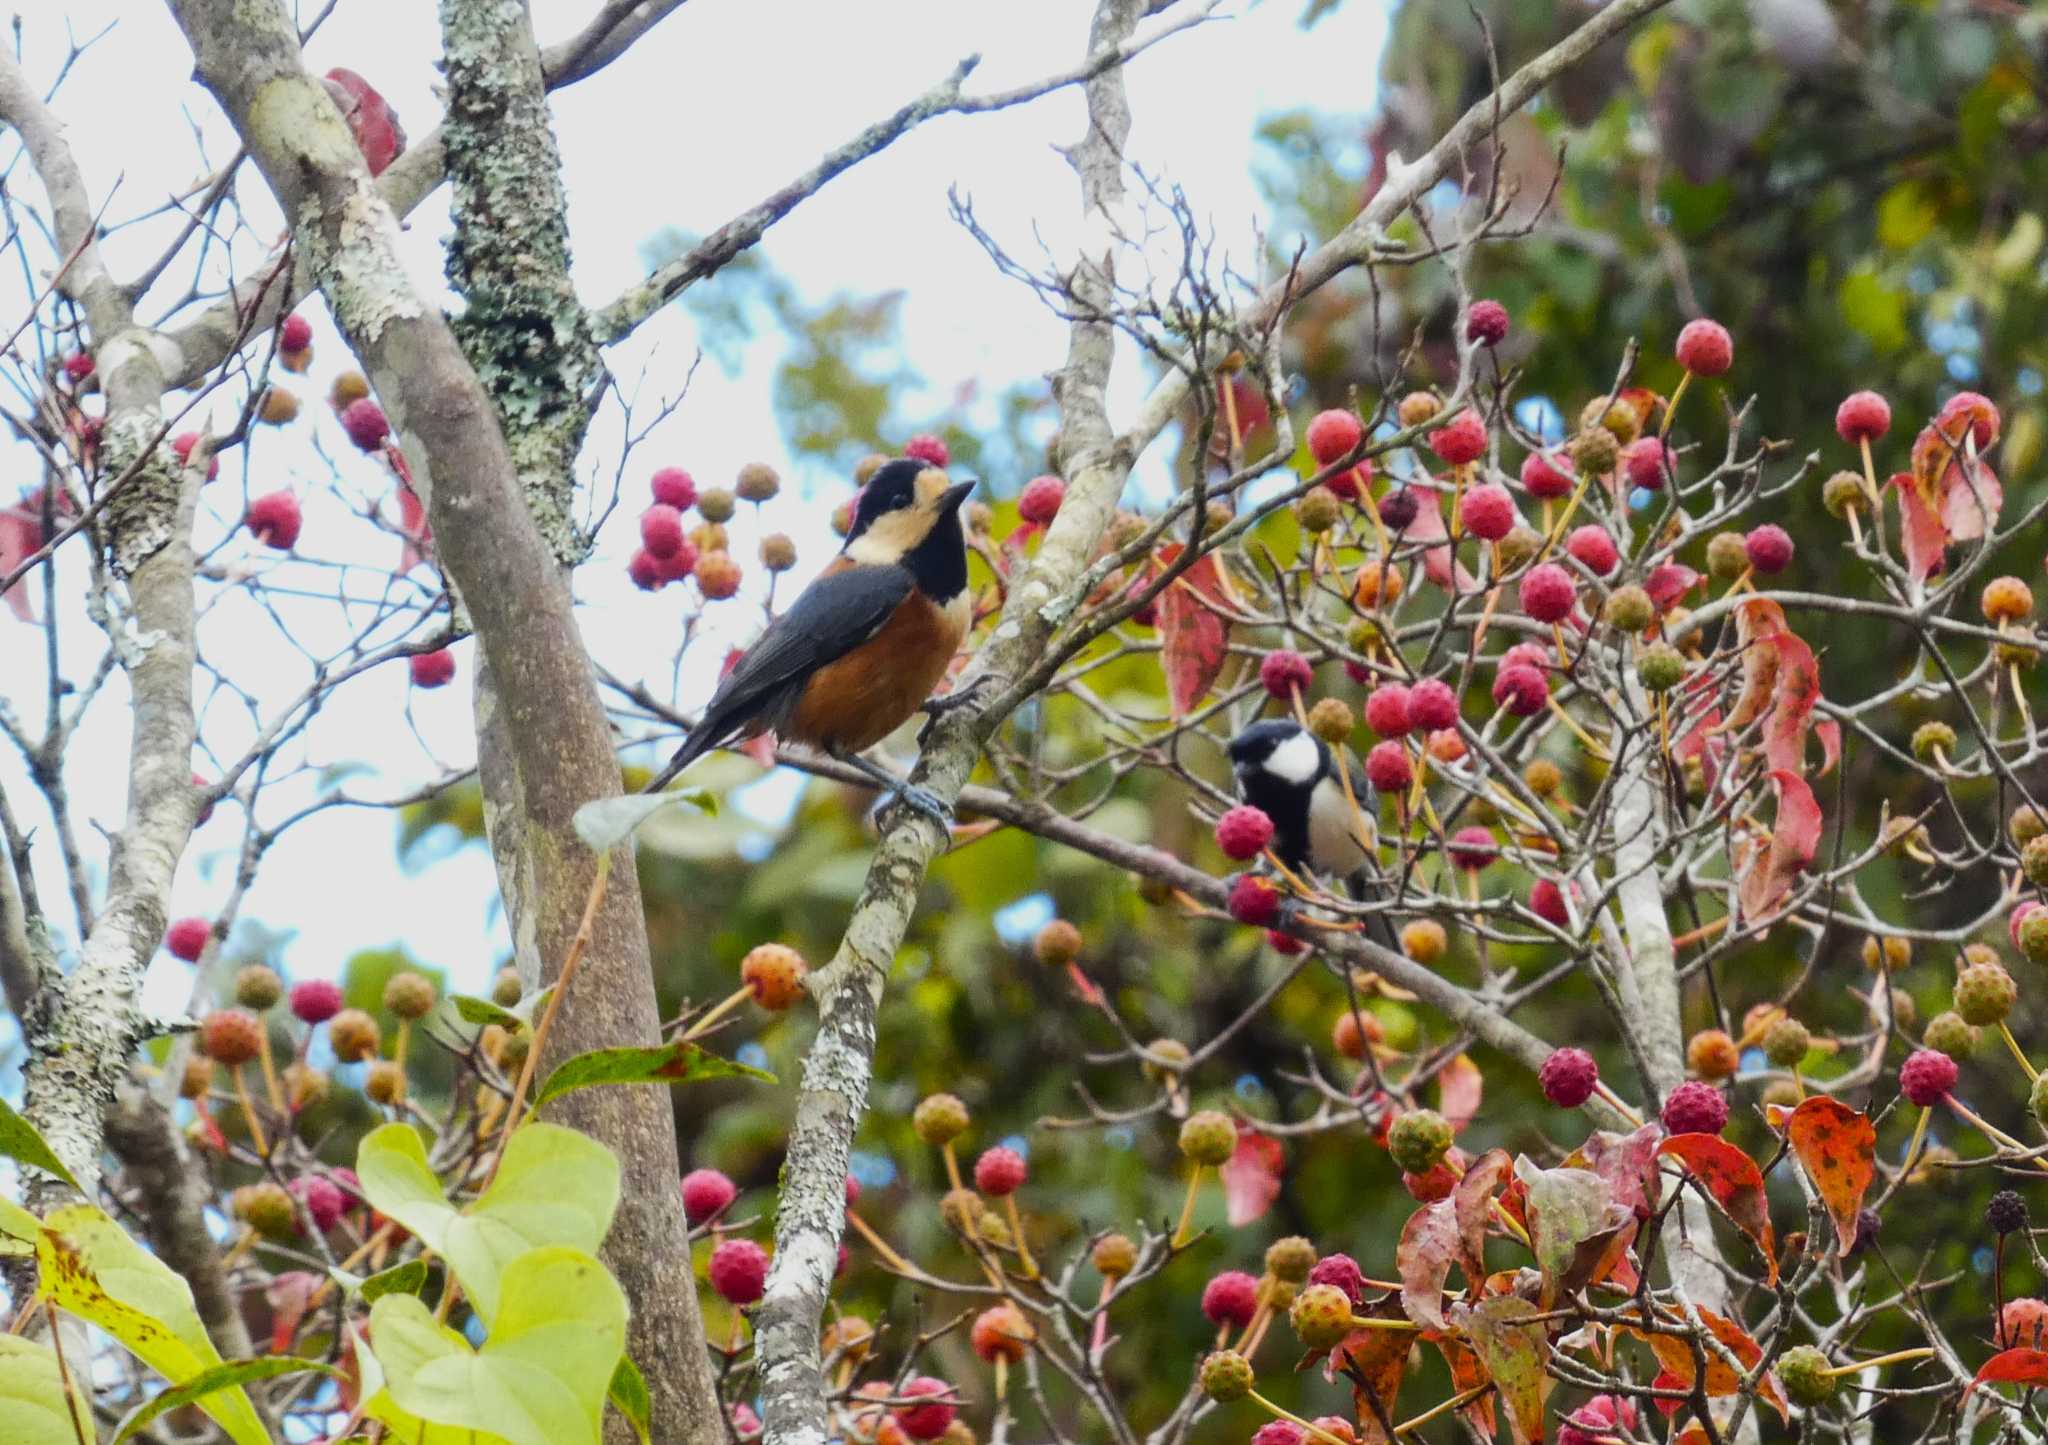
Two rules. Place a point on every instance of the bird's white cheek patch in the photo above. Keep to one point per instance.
(1296, 760)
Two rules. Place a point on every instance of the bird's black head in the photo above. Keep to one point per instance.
(908, 515)
(1282, 751)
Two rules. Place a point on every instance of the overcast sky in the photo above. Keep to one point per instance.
(718, 106)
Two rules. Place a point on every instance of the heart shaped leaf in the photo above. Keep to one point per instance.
(1838, 1148)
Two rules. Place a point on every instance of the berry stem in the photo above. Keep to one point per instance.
(1272, 1409)
(1564, 519)
(716, 1012)
(1507, 1221)
(2005, 1032)
(249, 1113)
(1671, 407)
(1099, 1336)
(1187, 1209)
(952, 1166)
(269, 1070)
(1919, 1138)
(404, 1038)
(1379, 527)
(1615, 1102)
(1459, 477)
(1598, 753)
(1896, 1357)
(878, 1244)
(1023, 1257)
(1462, 1398)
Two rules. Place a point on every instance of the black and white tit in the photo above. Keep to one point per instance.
(1290, 775)
(860, 650)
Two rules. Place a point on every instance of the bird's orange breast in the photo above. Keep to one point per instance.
(854, 702)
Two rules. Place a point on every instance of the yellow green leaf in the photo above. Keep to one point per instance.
(33, 1398)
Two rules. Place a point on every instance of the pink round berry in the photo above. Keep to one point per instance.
(1279, 1432)
(274, 520)
(1769, 548)
(645, 570)
(186, 939)
(1647, 462)
(78, 365)
(1386, 711)
(1567, 1077)
(1927, 1076)
(925, 447)
(926, 1421)
(745, 1422)
(1592, 548)
(365, 423)
(1473, 848)
(324, 1201)
(1546, 478)
(1548, 592)
(852, 1191)
(1488, 512)
(1254, 901)
(999, 1171)
(1460, 440)
(678, 567)
(432, 669)
(1527, 654)
(1705, 348)
(1284, 672)
(1243, 832)
(294, 333)
(1863, 416)
(1231, 1298)
(181, 448)
(1040, 500)
(707, 1193)
(315, 1000)
(661, 531)
(672, 487)
(1523, 690)
(738, 1271)
(1333, 434)
(1432, 705)
(1486, 322)
(1695, 1108)
(1546, 901)
(1388, 768)
(1342, 1271)
(1601, 1418)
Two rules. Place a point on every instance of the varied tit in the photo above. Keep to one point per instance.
(860, 650)
(1287, 773)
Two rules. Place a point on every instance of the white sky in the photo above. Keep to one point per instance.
(721, 104)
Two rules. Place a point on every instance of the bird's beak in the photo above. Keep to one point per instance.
(953, 496)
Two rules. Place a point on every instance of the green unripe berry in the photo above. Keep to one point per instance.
(1803, 1371)
(1594, 452)
(1227, 1377)
(1947, 1033)
(2034, 862)
(506, 989)
(1929, 737)
(716, 504)
(1520, 545)
(1630, 609)
(258, 987)
(1317, 511)
(939, 1119)
(1419, 1140)
(1727, 556)
(1661, 667)
(1290, 1259)
(1321, 1316)
(2034, 936)
(2025, 825)
(2037, 1100)
(1786, 1043)
(1984, 994)
(1208, 1137)
(1842, 494)
(267, 1209)
(1332, 720)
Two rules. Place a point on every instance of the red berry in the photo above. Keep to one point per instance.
(1647, 462)
(1285, 944)
(1351, 483)
(1473, 848)
(925, 447)
(1488, 512)
(1333, 434)
(1231, 1298)
(1387, 710)
(323, 1199)
(1254, 901)
(315, 1000)
(78, 365)
(1434, 1183)
(852, 1191)
(1705, 348)
(274, 520)
(186, 939)
(1769, 548)
(1863, 416)
(365, 423)
(1546, 478)
(294, 333)
(1398, 509)
(1526, 654)
(1546, 901)
(1279, 1432)
(1969, 409)
(1432, 706)
(645, 571)
(1040, 500)
(1243, 832)
(1927, 1076)
(926, 1422)
(1568, 1076)
(432, 669)
(707, 1193)
(1486, 322)
(181, 448)
(1460, 440)
(1695, 1108)
(678, 567)
(1387, 767)
(672, 487)
(661, 531)
(1601, 1418)
(1283, 672)
(1592, 548)
(999, 1171)
(1523, 690)
(738, 1271)
(1002, 1332)
(1342, 1271)
(231, 1036)
(1548, 592)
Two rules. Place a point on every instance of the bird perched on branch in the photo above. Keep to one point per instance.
(1290, 775)
(861, 648)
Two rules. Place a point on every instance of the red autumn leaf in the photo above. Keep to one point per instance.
(1429, 1243)
(1737, 1185)
(2020, 1366)
(1628, 1162)
(1514, 1350)
(1439, 562)
(21, 534)
(1460, 1086)
(289, 1296)
(1837, 1146)
(1971, 501)
(1374, 1361)
(1193, 632)
(1768, 870)
(1674, 1353)
(1472, 1201)
(1779, 672)
(1922, 532)
(1467, 1373)
(1251, 1180)
(370, 118)
(1668, 582)
(1238, 398)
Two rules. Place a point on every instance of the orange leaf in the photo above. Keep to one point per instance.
(1466, 1373)
(1837, 1146)
(2014, 1367)
(1374, 1361)
(1737, 1185)
(1674, 1353)
(1768, 870)
(1193, 635)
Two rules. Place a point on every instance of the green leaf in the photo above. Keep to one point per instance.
(1874, 309)
(541, 1377)
(19, 1229)
(221, 1377)
(20, 1141)
(1567, 1207)
(33, 1399)
(608, 822)
(554, 1187)
(628, 1394)
(671, 1063)
(473, 1010)
(94, 1270)
(407, 1278)
(1906, 215)
(1514, 1351)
